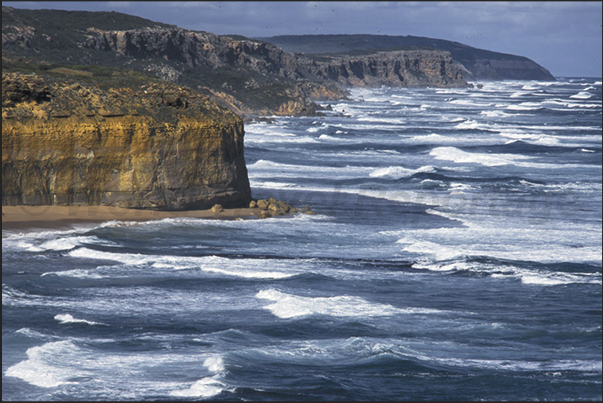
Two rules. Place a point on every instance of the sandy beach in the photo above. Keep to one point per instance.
(52, 217)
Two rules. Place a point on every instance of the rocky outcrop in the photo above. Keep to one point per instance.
(251, 77)
(415, 68)
(272, 207)
(477, 63)
(290, 88)
(155, 146)
(193, 49)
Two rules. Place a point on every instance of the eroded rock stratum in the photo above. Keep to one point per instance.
(155, 146)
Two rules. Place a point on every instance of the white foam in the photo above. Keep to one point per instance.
(582, 95)
(280, 139)
(126, 258)
(75, 273)
(271, 169)
(59, 363)
(215, 364)
(529, 87)
(48, 241)
(519, 365)
(441, 252)
(326, 137)
(525, 106)
(44, 366)
(67, 243)
(208, 386)
(492, 159)
(249, 273)
(455, 262)
(486, 233)
(67, 318)
(288, 306)
(471, 124)
(26, 331)
(462, 157)
(205, 387)
(571, 104)
(549, 278)
(244, 268)
(492, 114)
(396, 172)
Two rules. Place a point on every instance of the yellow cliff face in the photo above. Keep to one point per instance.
(157, 147)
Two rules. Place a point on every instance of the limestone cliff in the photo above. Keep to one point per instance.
(417, 68)
(477, 64)
(154, 146)
(413, 68)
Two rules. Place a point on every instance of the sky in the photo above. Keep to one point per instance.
(563, 37)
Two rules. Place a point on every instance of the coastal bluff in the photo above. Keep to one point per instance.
(409, 68)
(155, 146)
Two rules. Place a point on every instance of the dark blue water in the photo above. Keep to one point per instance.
(455, 255)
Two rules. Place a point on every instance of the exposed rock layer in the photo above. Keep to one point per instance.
(249, 76)
(418, 68)
(477, 63)
(414, 68)
(158, 147)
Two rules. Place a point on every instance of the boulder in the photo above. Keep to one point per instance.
(263, 214)
(217, 208)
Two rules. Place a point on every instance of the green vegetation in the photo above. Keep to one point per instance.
(102, 76)
(62, 20)
(358, 44)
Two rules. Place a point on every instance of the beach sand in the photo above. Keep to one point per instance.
(56, 217)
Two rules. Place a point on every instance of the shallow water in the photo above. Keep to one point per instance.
(455, 255)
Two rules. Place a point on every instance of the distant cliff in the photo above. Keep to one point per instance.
(477, 63)
(154, 146)
(413, 68)
(400, 68)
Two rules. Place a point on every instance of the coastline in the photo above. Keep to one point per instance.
(58, 217)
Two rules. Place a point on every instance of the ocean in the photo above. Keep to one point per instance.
(455, 254)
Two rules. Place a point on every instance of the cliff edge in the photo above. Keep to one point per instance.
(408, 68)
(153, 146)
(477, 64)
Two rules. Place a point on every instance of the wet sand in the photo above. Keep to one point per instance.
(56, 217)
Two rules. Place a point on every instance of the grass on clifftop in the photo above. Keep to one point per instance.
(102, 76)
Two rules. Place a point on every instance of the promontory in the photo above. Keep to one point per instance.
(137, 143)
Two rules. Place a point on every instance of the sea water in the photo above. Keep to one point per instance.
(455, 255)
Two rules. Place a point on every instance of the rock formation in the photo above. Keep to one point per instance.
(251, 77)
(477, 64)
(154, 146)
(414, 68)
